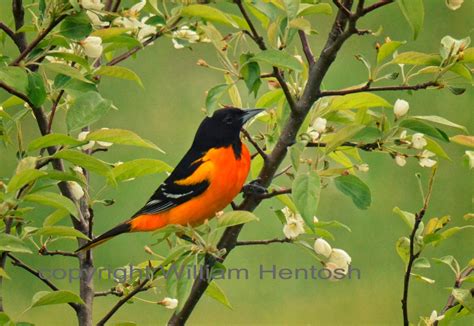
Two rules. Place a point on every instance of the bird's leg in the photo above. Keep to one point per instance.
(254, 188)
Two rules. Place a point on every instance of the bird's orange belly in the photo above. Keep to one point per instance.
(228, 178)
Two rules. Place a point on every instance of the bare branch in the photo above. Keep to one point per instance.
(112, 291)
(19, 16)
(45, 252)
(368, 88)
(12, 35)
(342, 8)
(273, 193)
(375, 6)
(368, 147)
(262, 242)
(18, 263)
(414, 255)
(254, 144)
(53, 110)
(306, 48)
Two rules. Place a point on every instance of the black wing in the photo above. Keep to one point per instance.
(169, 194)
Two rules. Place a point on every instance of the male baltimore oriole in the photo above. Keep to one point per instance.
(204, 182)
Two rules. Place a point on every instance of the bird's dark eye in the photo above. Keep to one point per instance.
(228, 120)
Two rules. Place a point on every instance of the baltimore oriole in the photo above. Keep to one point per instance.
(204, 182)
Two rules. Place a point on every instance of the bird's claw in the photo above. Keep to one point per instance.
(254, 188)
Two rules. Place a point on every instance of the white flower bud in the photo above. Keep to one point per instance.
(400, 160)
(403, 134)
(92, 46)
(314, 135)
(294, 224)
(425, 160)
(82, 136)
(454, 4)
(322, 247)
(434, 317)
(169, 303)
(92, 4)
(78, 169)
(418, 141)
(363, 167)
(340, 258)
(400, 108)
(320, 125)
(76, 190)
(315, 219)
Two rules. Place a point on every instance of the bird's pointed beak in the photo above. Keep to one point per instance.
(250, 113)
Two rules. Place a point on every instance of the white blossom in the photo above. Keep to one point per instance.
(82, 136)
(319, 125)
(186, 34)
(76, 190)
(400, 160)
(145, 31)
(314, 135)
(400, 108)
(78, 169)
(403, 134)
(362, 167)
(294, 224)
(322, 247)
(95, 19)
(454, 4)
(425, 160)
(92, 46)
(418, 141)
(434, 317)
(92, 4)
(169, 303)
(340, 258)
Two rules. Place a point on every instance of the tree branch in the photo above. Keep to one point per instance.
(306, 48)
(262, 242)
(19, 16)
(254, 144)
(273, 193)
(12, 36)
(412, 255)
(18, 263)
(45, 252)
(368, 88)
(37, 40)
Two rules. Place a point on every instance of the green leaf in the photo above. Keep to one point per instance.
(436, 148)
(76, 27)
(355, 188)
(421, 262)
(341, 136)
(403, 249)
(138, 168)
(414, 12)
(118, 72)
(36, 90)
(213, 97)
(235, 218)
(88, 162)
(417, 59)
(54, 200)
(207, 13)
(278, 59)
(61, 68)
(423, 278)
(463, 140)
(61, 231)
(53, 140)
(121, 136)
(358, 101)
(468, 55)
(44, 298)
(387, 49)
(424, 128)
(86, 109)
(55, 217)
(250, 72)
(465, 297)
(309, 9)
(407, 217)
(23, 178)
(3, 275)
(11, 243)
(215, 292)
(461, 70)
(70, 57)
(306, 190)
(108, 33)
(15, 77)
(440, 120)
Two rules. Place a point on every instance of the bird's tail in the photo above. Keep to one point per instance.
(119, 229)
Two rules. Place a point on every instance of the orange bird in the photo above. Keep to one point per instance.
(205, 181)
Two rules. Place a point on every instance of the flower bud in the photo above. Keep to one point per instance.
(400, 108)
(418, 141)
(362, 167)
(104, 143)
(76, 190)
(82, 137)
(340, 258)
(92, 46)
(319, 125)
(400, 160)
(169, 303)
(454, 4)
(322, 247)
(202, 63)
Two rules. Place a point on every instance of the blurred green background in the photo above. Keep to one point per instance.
(168, 112)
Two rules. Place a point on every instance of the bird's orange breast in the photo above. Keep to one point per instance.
(226, 175)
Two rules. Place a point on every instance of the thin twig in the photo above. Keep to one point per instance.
(112, 291)
(53, 110)
(342, 8)
(368, 147)
(412, 254)
(18, 263)
(254, 144)
(37, 40)
(273, 193)
(262, 242)
(45, 252)
(306, 48)
(368, 88)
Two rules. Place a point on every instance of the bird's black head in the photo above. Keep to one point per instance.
(223, 128)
